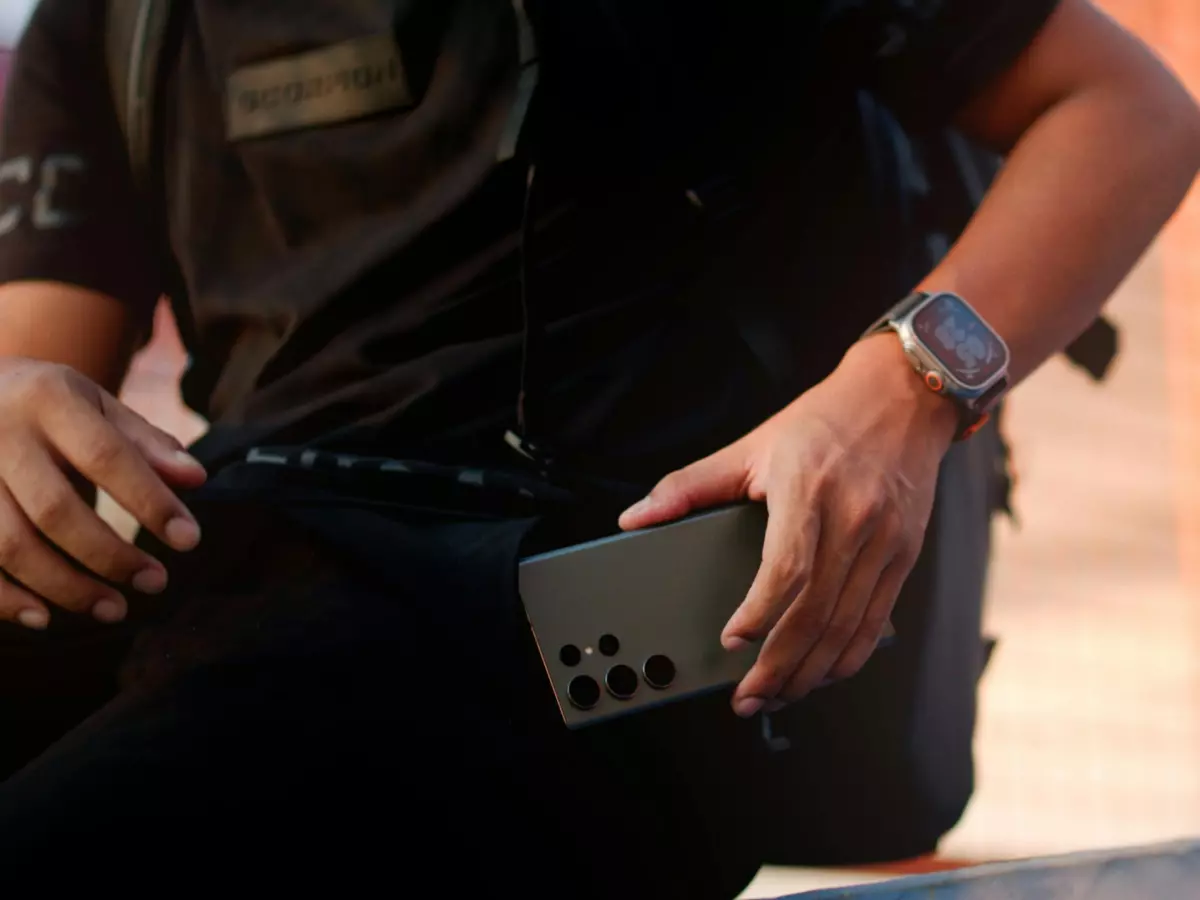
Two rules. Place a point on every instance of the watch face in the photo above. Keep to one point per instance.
(966, 348)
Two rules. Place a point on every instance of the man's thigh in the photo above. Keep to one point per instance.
(339, 721)
(49, 682)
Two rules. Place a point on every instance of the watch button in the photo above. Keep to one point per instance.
(934, 381)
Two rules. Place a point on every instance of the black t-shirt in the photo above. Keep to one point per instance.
(357, 282)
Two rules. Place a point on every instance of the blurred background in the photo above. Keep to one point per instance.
(1090, 720)
(1090, 727)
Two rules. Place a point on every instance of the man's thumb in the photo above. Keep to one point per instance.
(714, 480)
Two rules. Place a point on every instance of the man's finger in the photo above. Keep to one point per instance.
(20, 606)
(844, 532)
(800, 627)
(712, 481)
(106, 457)
(789, 550)
(874, 620)
(28, 559)
(58, 511)
(844, 626)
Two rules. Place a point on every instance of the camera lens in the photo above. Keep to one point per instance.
(622, 682)
(659, 671)
(569, 655)
(609, 645)
(583, 692)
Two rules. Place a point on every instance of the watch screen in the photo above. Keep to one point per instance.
(965, 347)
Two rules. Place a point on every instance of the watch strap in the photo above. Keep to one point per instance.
(897, 312)
(976, 413)
(973, 418)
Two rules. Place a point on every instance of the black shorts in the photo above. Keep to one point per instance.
(345, 693)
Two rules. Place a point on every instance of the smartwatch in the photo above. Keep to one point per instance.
(954, 350)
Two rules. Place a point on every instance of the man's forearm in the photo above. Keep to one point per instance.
(1086, 188)
(90, 332)
(1082, 196)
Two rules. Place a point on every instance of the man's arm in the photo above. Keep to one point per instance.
(78, 283)
(1105, 144)
(78, 287)
(86, 330)
(1102, 144)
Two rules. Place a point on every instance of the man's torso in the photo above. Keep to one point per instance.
(358, 280)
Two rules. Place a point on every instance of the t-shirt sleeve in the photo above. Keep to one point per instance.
(67, 210)
(927, 58)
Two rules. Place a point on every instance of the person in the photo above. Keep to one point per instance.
(422, 355)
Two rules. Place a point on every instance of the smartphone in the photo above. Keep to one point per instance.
(632, 621)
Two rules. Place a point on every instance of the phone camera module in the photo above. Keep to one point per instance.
(583, 692)
(659, 671)
(570, 656)
(621, 681)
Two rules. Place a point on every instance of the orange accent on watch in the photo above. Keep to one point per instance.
(974, 426)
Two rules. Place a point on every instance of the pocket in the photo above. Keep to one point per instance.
(352, 114)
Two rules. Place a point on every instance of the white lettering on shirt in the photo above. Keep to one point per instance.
(19, 170)
(46, 217)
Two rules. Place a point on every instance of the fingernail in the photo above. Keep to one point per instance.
(749, 706)
(638, 508)
(186, 459)
(36, 619)
(150, 581)
(182, 534)
(109, 611)
(733, 643)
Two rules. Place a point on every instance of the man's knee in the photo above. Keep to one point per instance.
(49, 682)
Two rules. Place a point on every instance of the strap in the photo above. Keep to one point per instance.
(120, 30)
(901, 309)
(894, 179)
(527, 82)
(136, 35)
(1095, 349)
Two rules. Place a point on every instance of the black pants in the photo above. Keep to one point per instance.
(359, 703)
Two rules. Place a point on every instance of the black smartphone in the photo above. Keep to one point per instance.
(634, 620)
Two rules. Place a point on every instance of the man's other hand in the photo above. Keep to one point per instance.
(56, 425)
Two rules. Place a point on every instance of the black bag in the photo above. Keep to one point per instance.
(880, 767)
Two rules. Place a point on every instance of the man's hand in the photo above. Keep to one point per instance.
(56, 423)
(848, 473)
